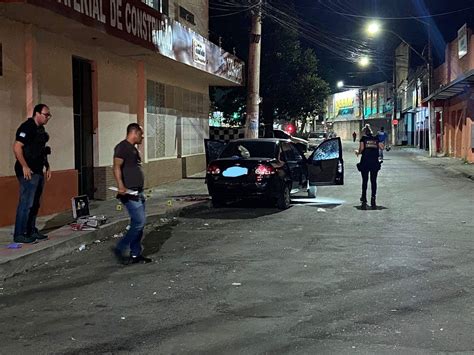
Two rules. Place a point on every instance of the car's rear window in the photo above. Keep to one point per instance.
(250, 150)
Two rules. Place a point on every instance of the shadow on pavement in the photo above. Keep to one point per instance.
(378, 208)
(155, 239)
(248, 209)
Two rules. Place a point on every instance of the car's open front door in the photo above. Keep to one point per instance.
(325, 164)
(213, 148)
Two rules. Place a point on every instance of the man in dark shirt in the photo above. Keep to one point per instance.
(129, 176)
(31, 158)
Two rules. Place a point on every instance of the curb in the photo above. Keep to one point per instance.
(25, 262)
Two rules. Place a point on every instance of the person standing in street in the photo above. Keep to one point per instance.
(369, 164)
(129, 176)
(31, 155)
(354, 136)
(382, 136)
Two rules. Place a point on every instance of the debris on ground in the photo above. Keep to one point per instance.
(188, 198)
(14, 246)
(236, 284)
(82, 247)
(321, 209)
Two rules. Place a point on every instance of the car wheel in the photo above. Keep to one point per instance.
(284, 200)
(217, 201)
(312, 191)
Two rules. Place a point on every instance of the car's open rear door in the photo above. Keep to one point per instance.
(325, 164)
(213, 149)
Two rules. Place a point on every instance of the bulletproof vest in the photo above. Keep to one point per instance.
(37, 150)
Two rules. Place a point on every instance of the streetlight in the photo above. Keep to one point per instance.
(364, 61)
(340, 84)
(373, 28)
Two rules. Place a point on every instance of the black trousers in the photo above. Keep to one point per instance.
(373, 182)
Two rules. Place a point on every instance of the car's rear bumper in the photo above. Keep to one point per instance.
(225, 189)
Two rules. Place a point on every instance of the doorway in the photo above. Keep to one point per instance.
(83, 125)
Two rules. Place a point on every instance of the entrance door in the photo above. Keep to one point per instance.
(83, 127)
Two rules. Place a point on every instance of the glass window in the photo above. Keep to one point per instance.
(327, 151)
(289, 153)
(249, 149)
(159, 5)
(296, 153)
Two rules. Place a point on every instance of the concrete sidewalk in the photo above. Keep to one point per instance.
(163, 203)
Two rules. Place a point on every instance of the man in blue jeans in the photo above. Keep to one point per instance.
(31, 155)
(129, 176)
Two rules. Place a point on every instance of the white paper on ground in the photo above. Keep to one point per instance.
(129, 192)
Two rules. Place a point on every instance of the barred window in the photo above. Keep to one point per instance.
(193, 133)
(160, 127)
(161, 136)
(155, 96)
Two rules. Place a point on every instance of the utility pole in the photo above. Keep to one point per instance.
(395, 99)
(253, 82)
(432, 115)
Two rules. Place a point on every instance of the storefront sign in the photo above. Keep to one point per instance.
(142, 25)
(199, 52)
(462, 41)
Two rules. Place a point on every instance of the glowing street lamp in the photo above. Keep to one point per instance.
(340, 84)
(373, 28)
(364, 61)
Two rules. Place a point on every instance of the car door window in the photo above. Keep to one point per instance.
(290, 155)
(298, 156)
(327, 151)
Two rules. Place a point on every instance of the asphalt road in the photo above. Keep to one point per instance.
(322, 277)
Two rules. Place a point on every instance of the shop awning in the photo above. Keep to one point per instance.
(454, 88)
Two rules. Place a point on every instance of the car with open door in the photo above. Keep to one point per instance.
(269, 168)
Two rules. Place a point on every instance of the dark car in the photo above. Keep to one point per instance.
(269, 168)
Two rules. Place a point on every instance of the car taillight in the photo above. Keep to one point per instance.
(264, 170)
(213, 170)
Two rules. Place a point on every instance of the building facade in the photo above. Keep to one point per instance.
(100, 65)
(453, 98)
(346, 110)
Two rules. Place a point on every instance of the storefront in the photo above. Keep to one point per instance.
(454, 117)
(100, 65)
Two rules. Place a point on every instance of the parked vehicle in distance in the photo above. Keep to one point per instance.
(269, 168)
(316, 138)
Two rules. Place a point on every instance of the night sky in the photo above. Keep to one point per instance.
(339, 22)
(444, 29)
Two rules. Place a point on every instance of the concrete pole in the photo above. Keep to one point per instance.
(253, 85)
(431, 111)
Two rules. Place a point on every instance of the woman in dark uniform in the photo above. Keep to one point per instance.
(369, 164)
